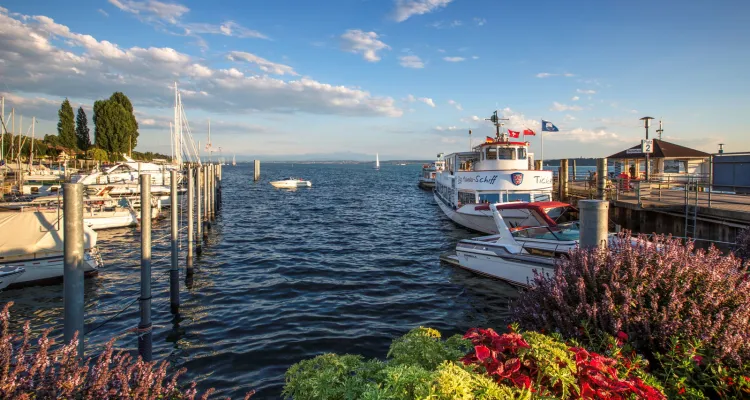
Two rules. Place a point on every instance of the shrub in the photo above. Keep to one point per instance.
(509, 366)
(551, 369)
(742, 244)
(45, 372)
(650, 291)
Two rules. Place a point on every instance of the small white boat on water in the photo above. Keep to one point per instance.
(290, 183)
(34, 241)
(9, 275)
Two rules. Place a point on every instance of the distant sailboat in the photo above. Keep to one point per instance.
(377, 161)
(234, 161)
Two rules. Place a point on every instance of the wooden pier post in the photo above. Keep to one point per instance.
(206, 196)
(190, 219)
(144, 326)
(601, 178)
(174, 271)
(538, 165)
(256, 170)
(594, 221)
(563, 180)
(575, 171)
(199, 211)
(73, 307)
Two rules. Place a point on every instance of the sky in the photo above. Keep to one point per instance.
(403, 78)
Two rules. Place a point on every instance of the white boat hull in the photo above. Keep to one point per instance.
(9, 275)
(519, 272)
(48, 269)
(291, 184)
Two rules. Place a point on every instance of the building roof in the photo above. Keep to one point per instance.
(662, 149)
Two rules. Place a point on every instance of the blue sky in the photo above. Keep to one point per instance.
(405, 78)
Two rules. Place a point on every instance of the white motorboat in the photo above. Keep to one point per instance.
(496, 171)
(502, 256)
(34, 241)
(427, 176)
(9, 275)
(290, 182)
(127, 172)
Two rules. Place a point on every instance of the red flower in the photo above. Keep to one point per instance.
(482, 352)
(681, 391)
(622, 337)
(698, 359)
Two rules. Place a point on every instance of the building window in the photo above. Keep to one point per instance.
(491, 153)
(542, 197)
(489, 198)
(675, 166)
(522, 153)
(466, 198)
(518, 197)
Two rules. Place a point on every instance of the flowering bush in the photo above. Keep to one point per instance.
(650, 291)
(53, 373)
(742, 244)
(509, 366)
(550, 368)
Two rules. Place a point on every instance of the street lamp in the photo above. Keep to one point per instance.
(646, 124)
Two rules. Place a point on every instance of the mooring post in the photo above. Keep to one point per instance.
(73, 263)
(563, 180)
(190, 233)
(198, 211)
(601, 178)
(206, 203)
(575, 171)
(538, 165)
(144, 326)
(594, 223)
(174, 271)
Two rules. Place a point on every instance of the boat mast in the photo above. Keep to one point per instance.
(496, 121)
(31, 151)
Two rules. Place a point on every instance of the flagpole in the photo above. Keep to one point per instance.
(542, 146)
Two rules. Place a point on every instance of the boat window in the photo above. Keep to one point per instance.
(489, 197)
(521, 153)
(466, 198)
(491, 153)
(542, 197)
(505, 153)
(518, 197)
(562, 215)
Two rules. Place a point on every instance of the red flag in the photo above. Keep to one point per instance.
(489, 140)
(528, 132)
(514, 134)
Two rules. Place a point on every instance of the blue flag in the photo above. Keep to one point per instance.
(549, 127)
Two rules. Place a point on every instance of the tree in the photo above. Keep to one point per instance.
(131, 135)
(98, 155)
(66, 129)
(113, 127)
(82, 130)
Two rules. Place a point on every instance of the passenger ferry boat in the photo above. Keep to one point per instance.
(497, 171)
(427, 177)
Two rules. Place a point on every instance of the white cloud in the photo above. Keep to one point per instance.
(547, 75)
(516, 120)
(474, 57)
(575, 98)
(446, 129)
(441, 51)
(262, 63)
(456, 23)
(227, 28)
(411, 61)
(152, 9)
(581, 135)
(564, 107)
(470, 119)
(32, 62)
(408, 8)
(569, 118)
(410, 98)
(454, 59)
(480, 21)
(456, 104)
(365, 43)
(427, 101)
(589, 91)
(102, 12)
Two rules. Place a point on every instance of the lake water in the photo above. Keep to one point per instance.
(344, 266)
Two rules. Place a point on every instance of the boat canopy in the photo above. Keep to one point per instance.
(25, 233)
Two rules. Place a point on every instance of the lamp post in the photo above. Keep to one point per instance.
(646, 124)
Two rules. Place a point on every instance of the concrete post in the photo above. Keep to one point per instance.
(144, 340)
(73, 263)
(538, 165)
(594, 223)
(191, 208)
(601, 178)
(206, 222)
(256, 170)
(575, 171)
(174, 271)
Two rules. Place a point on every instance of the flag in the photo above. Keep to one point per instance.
(489, 140)
(528, 132)
(549, 127)
(514, 134)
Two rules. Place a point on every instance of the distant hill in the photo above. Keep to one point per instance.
(580, 162)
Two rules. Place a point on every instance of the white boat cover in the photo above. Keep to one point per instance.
(26, 233)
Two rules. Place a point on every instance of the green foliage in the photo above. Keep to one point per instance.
(82, 130)
(97, 154)
(132, 124)
(553, 360)
(423, 347)
(66, 130)
(453, 381)
(113, 127)
(330, 376)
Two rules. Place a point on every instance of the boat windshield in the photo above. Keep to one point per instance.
(562, 215)
(563, 232)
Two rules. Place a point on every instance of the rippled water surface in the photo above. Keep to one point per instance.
(344, 266)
